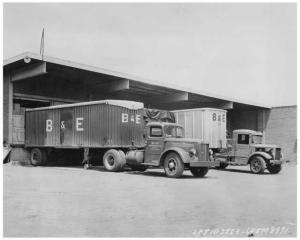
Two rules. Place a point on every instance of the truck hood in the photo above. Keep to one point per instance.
(264, 146)
(186, 140)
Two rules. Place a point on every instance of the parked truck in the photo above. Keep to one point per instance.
(246, 146)
(118, 130)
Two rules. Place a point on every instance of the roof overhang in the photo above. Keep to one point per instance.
(102, 84)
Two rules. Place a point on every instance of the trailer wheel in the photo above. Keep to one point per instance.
(113, 161)
(257, 164)
(173, 165)
(38, 157)
(274, 168)
(199, 172)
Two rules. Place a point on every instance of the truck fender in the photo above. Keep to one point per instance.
(183, 154)
(262, 154)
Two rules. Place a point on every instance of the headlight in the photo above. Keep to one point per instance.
(192, 152)
(271, 152)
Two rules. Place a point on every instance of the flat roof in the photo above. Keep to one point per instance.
(186, 97)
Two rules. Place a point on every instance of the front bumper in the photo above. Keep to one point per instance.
(205, 164)
(276, 162)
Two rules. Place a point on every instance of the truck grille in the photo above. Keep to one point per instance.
(278, 154)
(202, 151)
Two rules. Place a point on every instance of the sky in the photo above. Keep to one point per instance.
(244, 51)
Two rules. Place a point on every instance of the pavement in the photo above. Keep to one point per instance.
(73, 202)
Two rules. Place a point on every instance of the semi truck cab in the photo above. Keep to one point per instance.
(166, 146)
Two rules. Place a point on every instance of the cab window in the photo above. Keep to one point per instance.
(243, 139)
(156, 131)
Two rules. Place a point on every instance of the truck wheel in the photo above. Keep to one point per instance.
(38, 157)
(123, 161)
(257, 164)
(274, 168)
(113, 161)
(173, 165)
(199, 172)
(222, 165)
(139, 168)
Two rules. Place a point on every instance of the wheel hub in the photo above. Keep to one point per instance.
(256, 165)
(110, 161)
(171, 165)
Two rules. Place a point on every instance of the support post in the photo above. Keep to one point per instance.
(86, 158)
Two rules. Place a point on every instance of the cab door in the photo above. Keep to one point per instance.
(155, 145)
(242, 148)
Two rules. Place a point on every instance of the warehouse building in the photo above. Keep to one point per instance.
(31, 80)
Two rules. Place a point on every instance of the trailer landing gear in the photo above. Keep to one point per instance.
(86, 159)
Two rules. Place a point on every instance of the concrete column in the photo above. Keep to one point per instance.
(7, 107)
(262, 120)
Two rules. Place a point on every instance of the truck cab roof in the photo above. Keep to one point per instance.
(247, 131)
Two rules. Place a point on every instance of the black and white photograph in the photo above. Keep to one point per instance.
(149, 119)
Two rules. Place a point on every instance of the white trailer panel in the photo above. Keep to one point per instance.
(208, 124)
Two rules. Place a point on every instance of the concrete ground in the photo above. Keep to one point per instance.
(73, 202)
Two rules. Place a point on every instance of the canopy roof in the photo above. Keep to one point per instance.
(32, 70)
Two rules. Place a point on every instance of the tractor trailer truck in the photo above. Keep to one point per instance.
(118, 130)
(245, 147)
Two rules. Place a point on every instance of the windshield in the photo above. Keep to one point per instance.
(256, 139)
(174, 131)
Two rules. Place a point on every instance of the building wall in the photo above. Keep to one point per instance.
(281, 129)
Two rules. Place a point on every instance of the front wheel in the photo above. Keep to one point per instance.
(173, 165)
(274, 168)
(199, 172)
(257, 164)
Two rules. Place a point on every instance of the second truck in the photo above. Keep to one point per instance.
(246, 147)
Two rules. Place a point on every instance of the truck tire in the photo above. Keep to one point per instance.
(113, 160)
(173, 165)
(257, 164)
(274, 168)
(123, 160)
(38, 157)
(199, 172)
(223, 165)
(139, 168)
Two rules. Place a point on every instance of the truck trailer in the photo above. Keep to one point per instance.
(208, 124)
(118, 129)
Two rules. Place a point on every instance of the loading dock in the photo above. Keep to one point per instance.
(33, 81)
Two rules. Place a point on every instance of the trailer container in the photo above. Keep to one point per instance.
(208, 124)
(97, 124)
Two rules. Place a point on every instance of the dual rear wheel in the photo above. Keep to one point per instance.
(114, 160)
